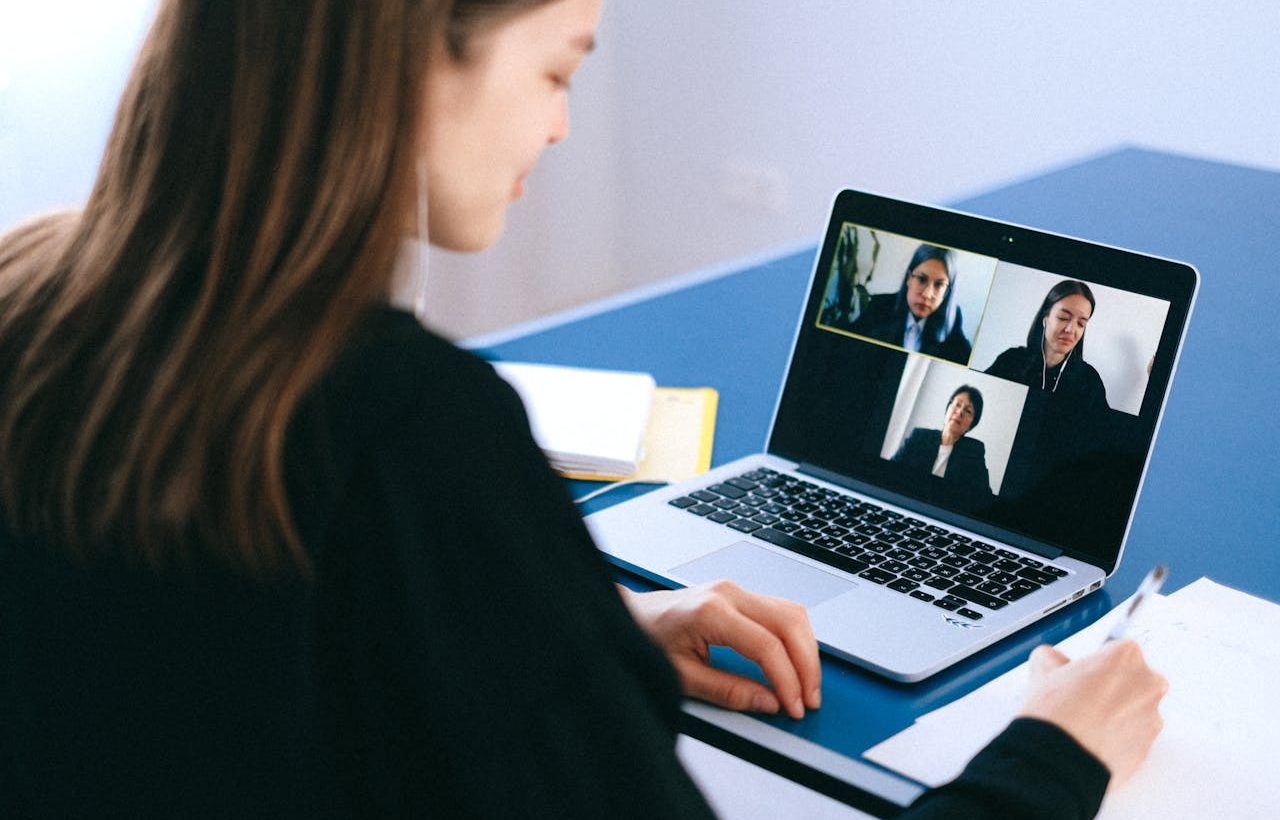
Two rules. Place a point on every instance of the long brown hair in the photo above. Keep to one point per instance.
(247, 212)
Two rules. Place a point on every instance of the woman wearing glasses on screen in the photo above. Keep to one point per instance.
(1053, 359)
(924, 315)
(271, 548)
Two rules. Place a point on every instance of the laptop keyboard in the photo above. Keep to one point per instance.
(929, 563)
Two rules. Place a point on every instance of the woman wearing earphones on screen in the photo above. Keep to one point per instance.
(1053, 360)
(924, 315)
(271, 548)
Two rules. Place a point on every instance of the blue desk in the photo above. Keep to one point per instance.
(1211, 501)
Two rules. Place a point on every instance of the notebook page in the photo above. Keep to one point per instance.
(1219, 649)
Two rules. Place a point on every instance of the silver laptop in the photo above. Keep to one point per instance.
(958, 445)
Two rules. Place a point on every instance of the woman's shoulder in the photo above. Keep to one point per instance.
(1018, 354)
(1092, 382)
(38, 231)
(882, 304)
(399, 395)
(1010, 363)
(955, 346)
(387, 337)
(393, 359)
(924, 435)
(877, 318)
(1090, 372)
(32, 244)
(397, 382)
(971, 446)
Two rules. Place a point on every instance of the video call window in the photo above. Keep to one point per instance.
(1016, 323)
(1005, 370)
(902, 292)
(954, 424)
(1081, 341)
(1006, 391)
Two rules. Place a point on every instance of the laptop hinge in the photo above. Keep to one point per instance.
(954, 519)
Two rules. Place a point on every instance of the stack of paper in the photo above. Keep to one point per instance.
(607, 425)
(1216, 756)
(586, 421)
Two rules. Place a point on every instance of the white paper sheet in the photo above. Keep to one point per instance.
(586, 421)
(1219, 752)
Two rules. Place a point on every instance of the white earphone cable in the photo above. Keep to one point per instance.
(423, 260)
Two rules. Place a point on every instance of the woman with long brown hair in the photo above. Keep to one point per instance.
(268, 547)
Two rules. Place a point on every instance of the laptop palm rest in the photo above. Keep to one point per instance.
(765, 572)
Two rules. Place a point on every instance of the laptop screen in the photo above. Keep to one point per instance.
(1004, 379)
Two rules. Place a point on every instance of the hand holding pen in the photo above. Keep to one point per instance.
(1107, 701)
(1149, 587)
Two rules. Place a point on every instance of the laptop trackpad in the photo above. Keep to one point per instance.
(760, 570)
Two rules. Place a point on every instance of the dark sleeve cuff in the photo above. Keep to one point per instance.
(1033, 769)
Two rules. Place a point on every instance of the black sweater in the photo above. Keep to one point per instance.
(461, 652)
(1078, 383)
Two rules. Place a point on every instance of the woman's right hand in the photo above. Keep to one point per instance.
(1108, 701)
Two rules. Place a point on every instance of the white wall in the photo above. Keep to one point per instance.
(711, 129)
(63, 65)
(917, 98)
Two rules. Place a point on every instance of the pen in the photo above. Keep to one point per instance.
(1149, 586)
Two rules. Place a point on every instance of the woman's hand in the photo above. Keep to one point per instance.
(1107, 701)
(774, 633)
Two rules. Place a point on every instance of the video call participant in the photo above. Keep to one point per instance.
(1068, 442)
(1053, 360)
(923, 316)
(948, 453)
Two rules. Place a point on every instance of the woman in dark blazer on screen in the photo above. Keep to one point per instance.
(949, 453)
(923, 316)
